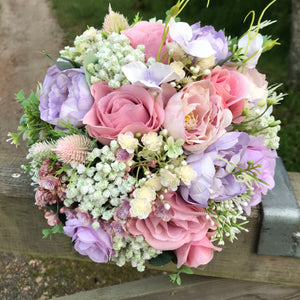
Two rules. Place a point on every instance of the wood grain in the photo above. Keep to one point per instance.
(193, 287)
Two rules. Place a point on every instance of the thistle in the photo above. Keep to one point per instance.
(41, 149)
(114, 22)
(73, 148)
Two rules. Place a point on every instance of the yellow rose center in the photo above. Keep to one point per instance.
(190, 122)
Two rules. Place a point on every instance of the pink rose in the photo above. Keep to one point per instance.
(129, 108)
(149, 35)
(232, 86)
(197, 115)
(258, 88)
(186, 232)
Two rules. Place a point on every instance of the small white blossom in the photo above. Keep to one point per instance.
(152, 141)
(128, 142)
(169, 179)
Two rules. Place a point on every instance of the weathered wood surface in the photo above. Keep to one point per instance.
(193, 287)
(21, 224)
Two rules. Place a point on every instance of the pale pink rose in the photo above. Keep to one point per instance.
(197, 115)
(185, 232)
(258, 86)
(148, 34)
(129, 108)
(232, 86)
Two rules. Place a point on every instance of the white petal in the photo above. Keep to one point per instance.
(180, 32)
(160, 73)
(200, 48)
(135, 71)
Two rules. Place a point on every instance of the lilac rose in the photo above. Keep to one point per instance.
(214, 179)
(65, 97)
(96, 244)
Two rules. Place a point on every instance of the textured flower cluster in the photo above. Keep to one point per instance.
(153, 140)
(100, 188)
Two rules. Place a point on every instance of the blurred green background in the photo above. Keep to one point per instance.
(75, 15)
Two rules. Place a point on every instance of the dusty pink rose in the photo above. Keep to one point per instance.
(197, 115)
(186, 232)
(129, 108)
(148, 34)
(232, 86)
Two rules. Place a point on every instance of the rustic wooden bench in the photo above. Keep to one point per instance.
(21, 225)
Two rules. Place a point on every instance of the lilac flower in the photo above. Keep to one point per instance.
(96, 244)
(138, 73)
(260, 154)
(214, 180)
(190, 40)
(65, 97)
(216, 39)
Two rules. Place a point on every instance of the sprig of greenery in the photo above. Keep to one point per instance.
(137, 18)
(47, 233)
(176, 277)
(30, 124)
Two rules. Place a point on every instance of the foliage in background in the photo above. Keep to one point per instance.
(74, 16)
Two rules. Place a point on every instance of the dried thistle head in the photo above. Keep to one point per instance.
(114, 22)
(41, 150)
(73, 148)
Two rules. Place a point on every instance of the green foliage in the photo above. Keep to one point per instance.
(47, 233)
(176, 277)
(30, 124)
(163, 259)
(137, 18)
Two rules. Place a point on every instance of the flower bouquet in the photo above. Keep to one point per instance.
(152, 141)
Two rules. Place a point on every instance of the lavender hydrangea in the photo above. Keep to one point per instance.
(65, 97)
(214, 179)
(216, 39)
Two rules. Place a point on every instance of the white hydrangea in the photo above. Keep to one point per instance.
(128, 142)
(169, 179)
(140, 208)
(152, 141)
(186, 174)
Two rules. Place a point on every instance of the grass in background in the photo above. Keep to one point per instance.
(74, 16)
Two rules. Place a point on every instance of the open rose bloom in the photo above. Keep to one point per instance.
(153, 138)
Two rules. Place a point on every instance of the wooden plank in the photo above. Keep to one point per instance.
(193, 287)
(21, 224)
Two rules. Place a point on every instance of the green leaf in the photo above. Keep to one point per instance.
(178, 280)
(173, 277)
(20, 96)
(55, 229)
(162, 259)
(64, 65)
(185, 269)
(63, 169)
(90, 58)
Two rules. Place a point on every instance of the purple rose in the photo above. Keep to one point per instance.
(260, 154)
(216, 39)
(65, 97)
(96, 244)
(214, 180)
